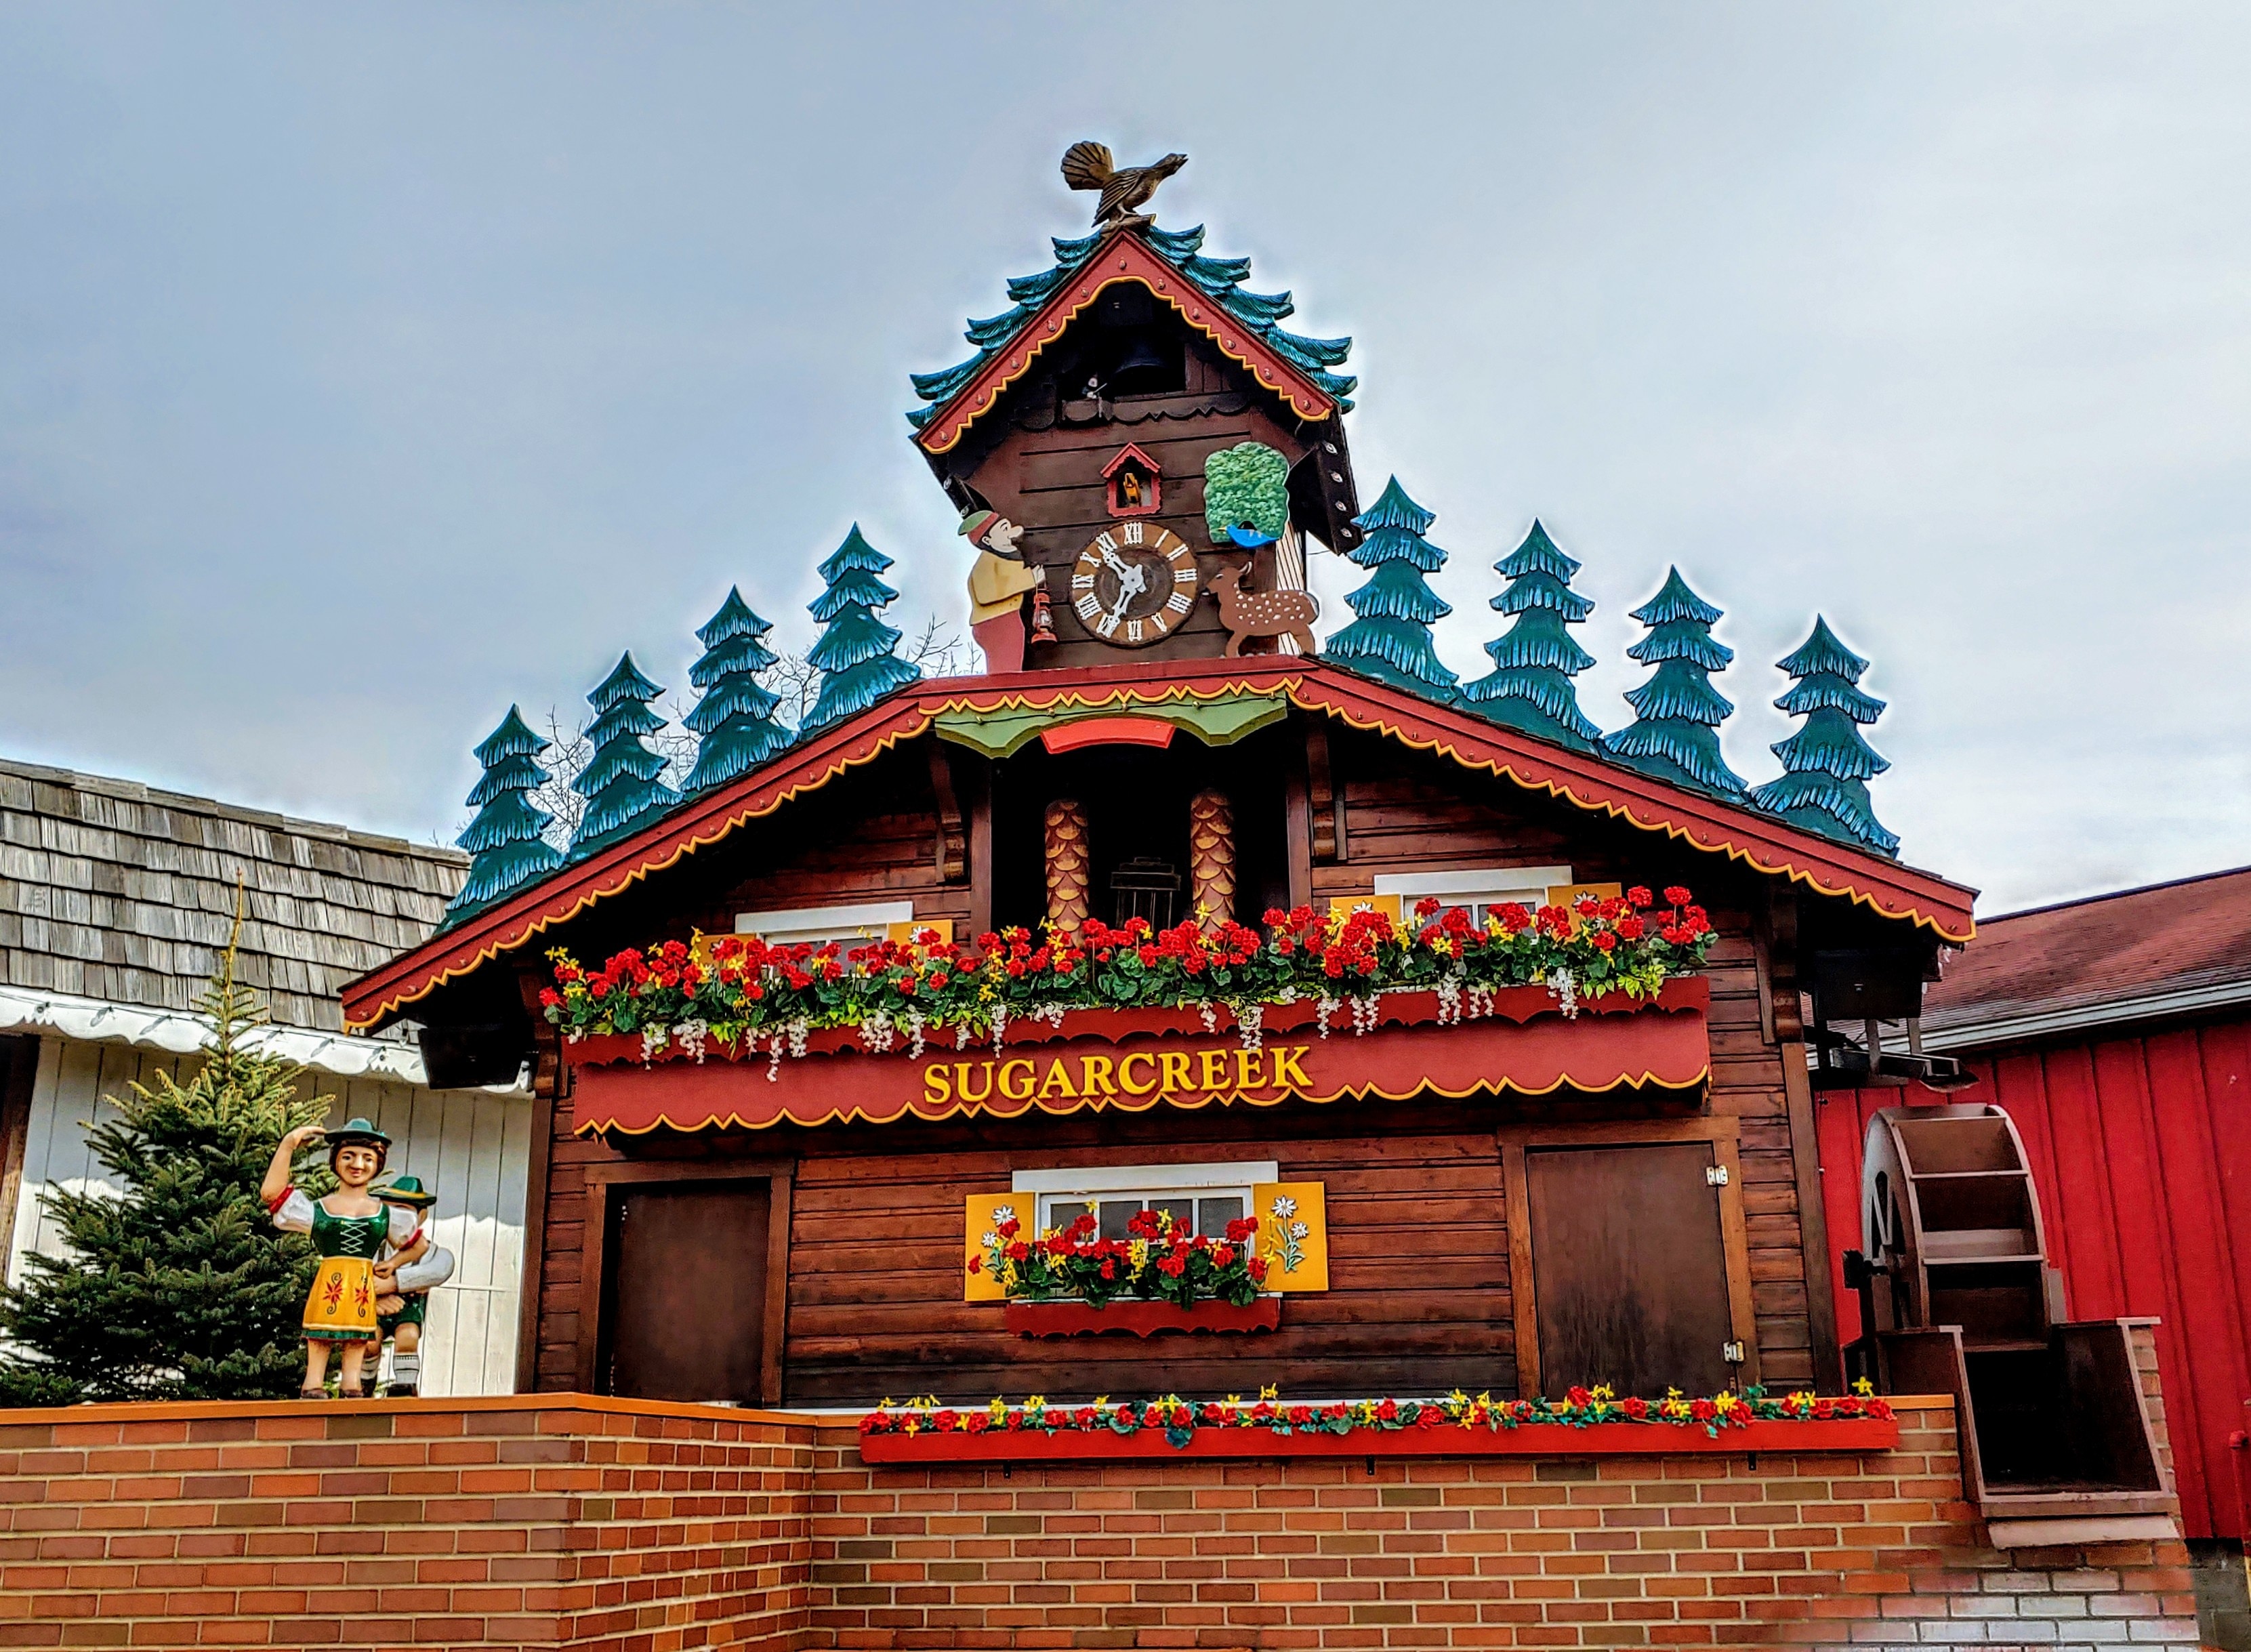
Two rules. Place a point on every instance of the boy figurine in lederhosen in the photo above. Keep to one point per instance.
(399, 1314)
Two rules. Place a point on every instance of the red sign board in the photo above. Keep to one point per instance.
(1134, 1060)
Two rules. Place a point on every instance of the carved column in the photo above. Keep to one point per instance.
(1211, 858)
(1065, 854)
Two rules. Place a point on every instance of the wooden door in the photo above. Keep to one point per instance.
(1628, 1270)
(687, 1290)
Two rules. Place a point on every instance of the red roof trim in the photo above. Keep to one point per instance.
(1589, 782)
(1123, 258)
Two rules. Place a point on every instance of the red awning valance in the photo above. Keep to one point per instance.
(1134, 1060)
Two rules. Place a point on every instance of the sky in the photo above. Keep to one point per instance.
(365, 370)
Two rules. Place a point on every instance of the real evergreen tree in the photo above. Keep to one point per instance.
(621, 780)
(1390, 637)
(507, 843)
(176, 1287)
(734, 722)
(1826, 765)
(1529, 687)
(1677, 713)
(853, 653)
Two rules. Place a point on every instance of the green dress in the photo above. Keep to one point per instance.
(342, 1305)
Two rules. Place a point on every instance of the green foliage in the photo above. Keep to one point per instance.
(1247, 485)
(179, 1288)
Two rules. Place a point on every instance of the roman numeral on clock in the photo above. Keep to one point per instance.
(1104, 541)
(1132, 533)
(1082, 582)
(1107, 624)
(1088, 606)
(1180, 602)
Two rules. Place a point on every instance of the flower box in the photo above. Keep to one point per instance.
(1055, 1319)
(1527, 1440)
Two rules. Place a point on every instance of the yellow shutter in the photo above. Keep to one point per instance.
(1563, 894)
(984, 1215)
(907, 931)
(1346, 905)
(1277, 1236)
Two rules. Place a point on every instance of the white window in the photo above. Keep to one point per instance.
(819, 923)
(1202, 1197)
(1478, 889)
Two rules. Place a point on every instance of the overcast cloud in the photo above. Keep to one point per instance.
(363, 370)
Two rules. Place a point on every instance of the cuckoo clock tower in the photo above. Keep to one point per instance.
(1167, 448)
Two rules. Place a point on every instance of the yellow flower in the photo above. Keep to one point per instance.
(1235, 1400)
(884, 1404)
(1723, 1402)
(1604, 1391)
(998, 1408)
(1458, 1398)
(1270, 1392)
(1864, 1388)
(1037, 1402)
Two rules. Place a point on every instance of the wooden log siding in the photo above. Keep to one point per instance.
(1418, 1218)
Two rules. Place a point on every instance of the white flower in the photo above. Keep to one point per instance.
(1004, 1213)
(989, 1241)
(1299, 1230)
(1285, 1206)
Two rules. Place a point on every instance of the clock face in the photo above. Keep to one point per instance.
(1134, 583)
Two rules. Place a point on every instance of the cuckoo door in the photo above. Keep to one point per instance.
(1629, 1268)
(686, 1310)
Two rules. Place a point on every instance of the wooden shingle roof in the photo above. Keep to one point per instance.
(112, 890)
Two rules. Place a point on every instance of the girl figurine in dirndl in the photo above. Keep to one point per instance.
(349, 1228)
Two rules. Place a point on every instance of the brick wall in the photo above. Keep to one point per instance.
(1813, 1551)
(469, 1523)
(573, 1523)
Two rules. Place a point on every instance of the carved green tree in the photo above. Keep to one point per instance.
(622, 780)
(1390, 637)
(1826, 765)
(734, 722)
(1675, 735)
(854, 651)
(507, 840)
(1529, 687)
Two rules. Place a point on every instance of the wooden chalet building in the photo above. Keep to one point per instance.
(1501, 1189)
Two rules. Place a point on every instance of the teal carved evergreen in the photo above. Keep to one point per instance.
(853, 653)
(507, 841)
(1677, 713)
(1218, 278)
(1826, 765)
(1529, 687)
(734, 722)
(622, 782)
(1390, 637)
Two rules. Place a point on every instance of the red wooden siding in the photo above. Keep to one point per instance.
(2141, 1149)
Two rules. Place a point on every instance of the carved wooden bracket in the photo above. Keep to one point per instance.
(551, 1074)
(1327, 802)
(951, 846)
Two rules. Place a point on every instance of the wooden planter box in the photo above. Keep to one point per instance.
(1141, 1318)
(1531, 1439)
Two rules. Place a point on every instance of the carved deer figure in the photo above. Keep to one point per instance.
(1263, 614)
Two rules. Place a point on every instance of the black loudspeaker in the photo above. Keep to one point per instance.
(462, 1058)
(1880, 985)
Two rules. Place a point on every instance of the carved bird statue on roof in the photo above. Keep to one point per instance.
(1091, 166)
